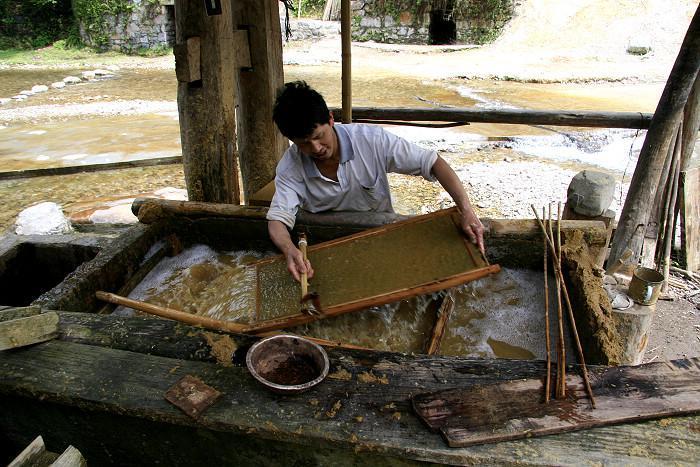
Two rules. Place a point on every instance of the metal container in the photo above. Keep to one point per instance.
(287, 364)
(645, 286)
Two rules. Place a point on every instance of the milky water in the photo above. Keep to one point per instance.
(496, 316)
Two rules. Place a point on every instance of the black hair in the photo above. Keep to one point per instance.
(298, 109)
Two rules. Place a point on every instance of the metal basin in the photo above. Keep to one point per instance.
(287, 364)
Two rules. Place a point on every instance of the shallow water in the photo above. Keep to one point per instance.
(497, 316)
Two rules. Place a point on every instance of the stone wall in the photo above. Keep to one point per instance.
(148, 25)
(420, 21)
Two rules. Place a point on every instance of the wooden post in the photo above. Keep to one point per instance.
(260, 144)
(206, 105)
(635, 213)
(691, 124)
(346, 38)
(688, 189)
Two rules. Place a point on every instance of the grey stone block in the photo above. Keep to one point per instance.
(591, 192)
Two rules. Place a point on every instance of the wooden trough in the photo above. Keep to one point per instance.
(100, 385)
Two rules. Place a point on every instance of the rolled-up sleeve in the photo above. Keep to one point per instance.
(287, 198)
(407, 158)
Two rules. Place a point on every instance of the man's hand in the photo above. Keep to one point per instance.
(296, 264)
(472, 226)
(295, 259)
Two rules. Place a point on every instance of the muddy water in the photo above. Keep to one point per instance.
(498, 316)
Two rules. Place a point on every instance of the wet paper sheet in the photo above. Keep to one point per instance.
(386, 264)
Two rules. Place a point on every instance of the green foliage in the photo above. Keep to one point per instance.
(310, 8)
(33, 23)
(157, 51)
(95, 15)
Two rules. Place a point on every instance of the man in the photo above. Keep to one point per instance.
(343, 168)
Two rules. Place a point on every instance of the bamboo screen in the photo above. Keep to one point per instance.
(421, 255)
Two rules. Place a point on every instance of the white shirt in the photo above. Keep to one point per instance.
(367, 154)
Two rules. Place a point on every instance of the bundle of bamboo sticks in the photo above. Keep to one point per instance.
(552, 246)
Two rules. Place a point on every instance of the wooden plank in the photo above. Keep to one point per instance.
(71, 457)
(443, 316)
(371, 392)
(690, 218)
(26, 331)
(576, 118)
(423, 254)
(514, 409)
(11, 313)
(30, 454)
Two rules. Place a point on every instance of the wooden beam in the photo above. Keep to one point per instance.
(668, 114)
(574, 118)
(206, 107)
(187, 60)
(260, 143)
(149, 210)
(50, 171)
(26, 331)
(346, 53)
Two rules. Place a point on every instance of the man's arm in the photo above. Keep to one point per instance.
(449, 180)
(295, 259)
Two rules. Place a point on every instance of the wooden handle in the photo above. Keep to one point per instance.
(304, 278)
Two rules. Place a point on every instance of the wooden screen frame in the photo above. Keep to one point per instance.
(381, 299)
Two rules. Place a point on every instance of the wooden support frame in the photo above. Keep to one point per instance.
(443, 317)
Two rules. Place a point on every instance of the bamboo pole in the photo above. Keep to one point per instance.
(560, 311)
(346, 38)
(560, 386)
(548, 380)
(670, 224)
(635, 213)
(577, 341)
(202, 321)
(574, 118)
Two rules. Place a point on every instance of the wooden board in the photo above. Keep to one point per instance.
(417, 256)
(515, 409)
(105, 387)
(26, 331)
(690, 218)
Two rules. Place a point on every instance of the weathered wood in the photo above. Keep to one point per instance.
(574, 118)
(26, 331)
(71, 457)
(690, 218)
(10, 313)
(149, 210)
(443, 316)
(207, 107)
(32, 173)
(635, 213)
(513, 410)
(260, 144)
(29, 456)
(363, 407)
(346, 56)
(691, 124)
(242, 49)
(633, 326)
(187, 60)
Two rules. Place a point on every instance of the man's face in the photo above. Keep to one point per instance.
(321, 144)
